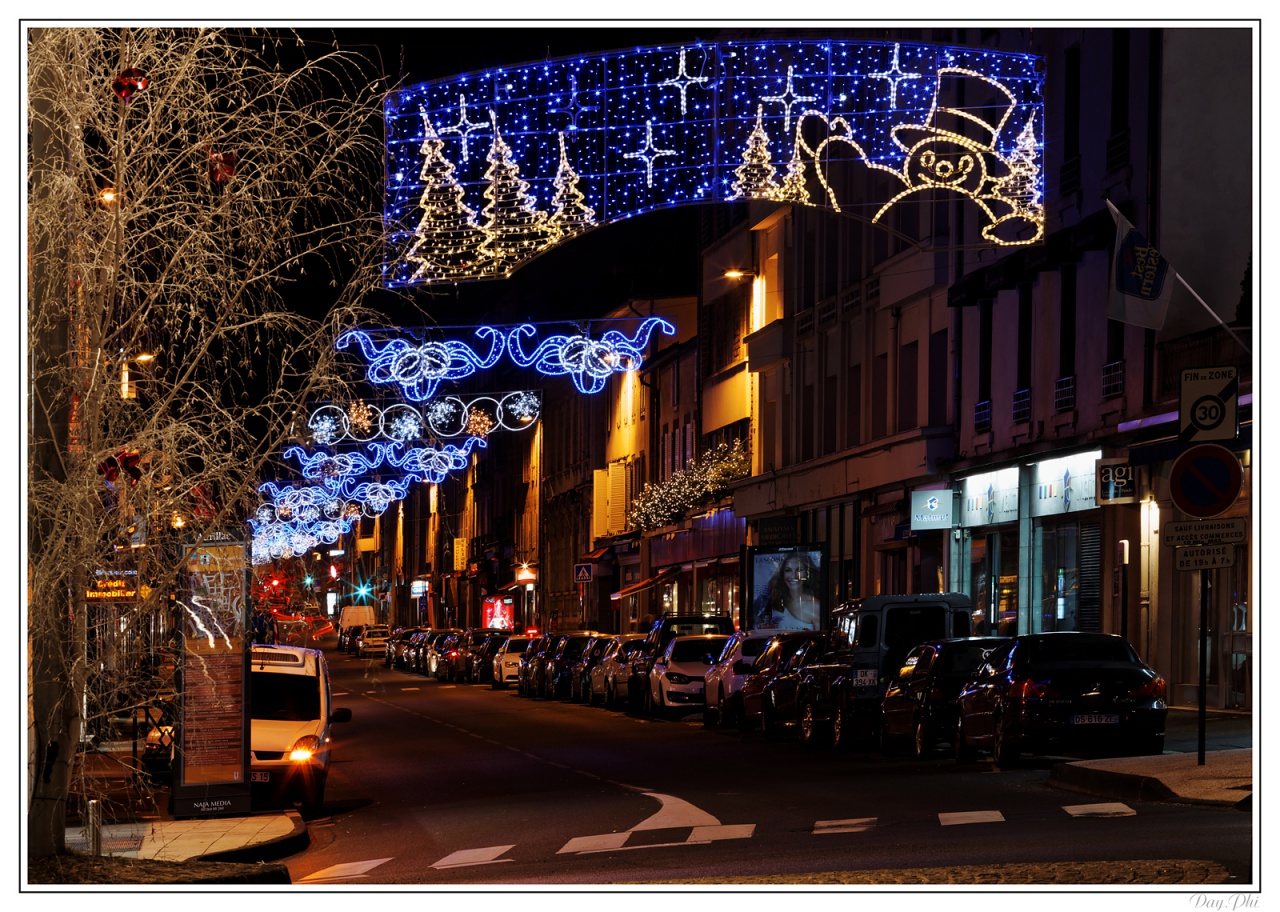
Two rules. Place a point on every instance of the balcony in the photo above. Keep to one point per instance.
(1022, 406)
(769, 345)
(982, 417)
(1064, 394)
(1113, 380)
(1118, 152)
(1069, 177)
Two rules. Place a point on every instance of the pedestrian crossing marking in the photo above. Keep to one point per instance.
(468, 857)
(1106, 809)
(602, 843)
(852, 825)
(343, 871)
(962, 817)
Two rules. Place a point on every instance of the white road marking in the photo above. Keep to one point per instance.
(675, 813)
(852, 825)
(341, 871)
(1107, 809)
(410, 688)
(467, 857)
(970, 817)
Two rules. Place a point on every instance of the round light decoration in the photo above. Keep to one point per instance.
(488, 170)
(441, 417)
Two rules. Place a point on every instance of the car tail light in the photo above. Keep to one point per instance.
(1034, 690)
(1153, 689)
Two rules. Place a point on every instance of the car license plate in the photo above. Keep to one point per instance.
(866, 677)
(259, 777)
(1095, 719)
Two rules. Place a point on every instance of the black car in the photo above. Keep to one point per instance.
(557, 674)
(580, 676)
(396, 644)
(481, 659)
(1065, 693)
(768, 694)
(919, 707)
(352, 633)
(531, 663)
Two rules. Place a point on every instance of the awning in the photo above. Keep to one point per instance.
(662, 576)
(512, 586)
(596, 554)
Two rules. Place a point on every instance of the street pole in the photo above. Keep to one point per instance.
(1124, 588)
(1204, 664)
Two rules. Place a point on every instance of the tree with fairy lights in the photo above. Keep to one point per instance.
(514, 228)
(448, 238)
(1022, 186)
(184, 186)
(570, 213)
(793, 189)
(755, 174)
(662, 503)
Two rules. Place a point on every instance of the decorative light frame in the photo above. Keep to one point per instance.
(600, 138)
(419, 368)
(443, 417)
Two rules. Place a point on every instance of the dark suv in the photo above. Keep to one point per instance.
(664, 630)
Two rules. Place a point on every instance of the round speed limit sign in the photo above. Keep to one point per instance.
(1208, 404)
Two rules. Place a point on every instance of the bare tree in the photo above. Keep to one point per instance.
(202, 220)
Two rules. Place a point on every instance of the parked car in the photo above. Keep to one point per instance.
(725, 678)
(664, 630)
(289, 717)
(919, 706)
(580, 674)
(469, 641)
(760, 689)
(558, 673)
(531, 664)
(415, 651)
(676, 677)
(396, 644)
(614, 665)
(482, 658)
(372, 640)
(434, 660)
(506, 661)
(347, 638)
(869, 641)
(1062, 692)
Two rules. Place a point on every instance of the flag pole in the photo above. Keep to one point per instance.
(1212, 314)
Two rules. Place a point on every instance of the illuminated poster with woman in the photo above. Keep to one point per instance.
(787, 587)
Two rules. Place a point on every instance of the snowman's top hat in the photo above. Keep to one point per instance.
(977, 127)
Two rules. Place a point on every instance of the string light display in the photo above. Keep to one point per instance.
(662, 503)
(655, 127)
(418, 369)
(587, 361)
(441, 417)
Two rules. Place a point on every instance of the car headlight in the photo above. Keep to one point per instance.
(677, 678)
(304, 748)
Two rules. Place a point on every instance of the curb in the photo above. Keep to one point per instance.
(1121, 786)
(268, 850)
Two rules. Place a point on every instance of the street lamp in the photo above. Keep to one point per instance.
(738, 273)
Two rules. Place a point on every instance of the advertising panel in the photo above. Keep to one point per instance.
(213, 760)
(1064, 485)
(498, 611)
(930, 510)
(787, 587)
(990, 499)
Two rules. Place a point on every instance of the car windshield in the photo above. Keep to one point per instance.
(960, 659)
(284, 697)
(375, 632)
(693, 650)
(631, 646)
(753, 647)
(1075, 648)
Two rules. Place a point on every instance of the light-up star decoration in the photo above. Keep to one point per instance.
(464, 127)
(788, 99)
(894, 75)
(682, 80)
(649, 153)
(441, 417)
(454, 217)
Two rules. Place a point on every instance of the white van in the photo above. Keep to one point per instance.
(290, 714)
(353, 615)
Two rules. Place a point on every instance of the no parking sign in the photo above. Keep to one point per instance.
(1205, 480)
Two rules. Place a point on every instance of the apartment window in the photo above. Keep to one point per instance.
(1025, 337)
(938, 378)
(1067, 322)
(675, 384)
(880, 397)
(853, 406)
(985, 309)
(829, 404)
(806, 422)
(908, 386)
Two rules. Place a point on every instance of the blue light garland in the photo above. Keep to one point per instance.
(441, 417)
(614, 135)
(419, 369)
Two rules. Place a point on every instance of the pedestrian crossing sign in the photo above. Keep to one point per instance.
(582, 573)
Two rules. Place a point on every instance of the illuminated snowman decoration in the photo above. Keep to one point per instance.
(955, 150)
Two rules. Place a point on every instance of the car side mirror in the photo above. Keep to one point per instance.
(708, 659)
(342, 714)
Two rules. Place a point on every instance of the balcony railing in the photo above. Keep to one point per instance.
(982, 417)
(1113, 380)
(1064, 394)
(1069, 177)
(804, 322)
(1022, 406)
(1118, 152)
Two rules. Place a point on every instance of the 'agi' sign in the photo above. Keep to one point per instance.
(1117, 482)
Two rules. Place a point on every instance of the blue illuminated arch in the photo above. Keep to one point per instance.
(488, 170)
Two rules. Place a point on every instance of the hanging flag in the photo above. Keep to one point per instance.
(1142, 280)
